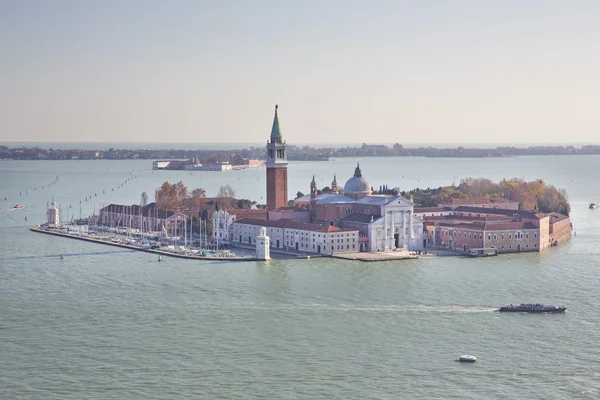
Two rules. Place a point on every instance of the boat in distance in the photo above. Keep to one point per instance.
(467, 358)
(532, 308)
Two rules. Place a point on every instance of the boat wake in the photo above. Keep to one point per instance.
(10, 209)
(370, 308)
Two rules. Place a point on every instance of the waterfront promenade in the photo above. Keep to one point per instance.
(87, 237)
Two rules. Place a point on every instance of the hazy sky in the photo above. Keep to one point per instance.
(341, 71)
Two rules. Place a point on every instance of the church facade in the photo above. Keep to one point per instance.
(385, 223)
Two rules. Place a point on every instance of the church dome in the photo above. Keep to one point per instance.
(357, 186)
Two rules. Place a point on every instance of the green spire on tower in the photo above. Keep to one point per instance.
(275, 131)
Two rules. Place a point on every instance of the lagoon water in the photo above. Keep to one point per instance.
(106, 323)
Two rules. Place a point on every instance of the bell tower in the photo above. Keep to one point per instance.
(334, 185)
(313, 193)
(277, 192)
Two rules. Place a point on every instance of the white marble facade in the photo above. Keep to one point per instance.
(397, 227)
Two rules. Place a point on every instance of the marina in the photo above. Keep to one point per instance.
(169, 250)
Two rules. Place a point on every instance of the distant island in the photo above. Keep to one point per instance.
(294, 153)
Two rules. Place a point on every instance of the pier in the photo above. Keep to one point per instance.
(400, 254)
(55, 232)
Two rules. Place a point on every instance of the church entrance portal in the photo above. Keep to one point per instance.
(396, 240)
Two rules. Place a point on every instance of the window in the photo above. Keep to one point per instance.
(535, 235)
(527, 235)
(503, 236)
(510, 235)
(494, 236)
(489, 237)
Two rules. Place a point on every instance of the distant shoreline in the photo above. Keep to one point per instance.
(294, 152)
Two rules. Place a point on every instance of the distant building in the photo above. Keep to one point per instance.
(223, 220)
(508, 230)
(297, 236)
(161, 164)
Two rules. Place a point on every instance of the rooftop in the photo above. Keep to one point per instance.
(500, 211)
(289, 224)
(362, 218)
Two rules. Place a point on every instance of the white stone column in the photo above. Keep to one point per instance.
(412, 232)
(404, 221)
(392, 241)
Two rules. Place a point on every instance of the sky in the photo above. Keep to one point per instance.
(347, 71)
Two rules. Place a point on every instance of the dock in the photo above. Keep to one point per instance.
(400, 254)
(87, 238)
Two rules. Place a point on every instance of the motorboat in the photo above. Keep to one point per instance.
(593, 205)
(467, 358)
(19, 206)
(532, 308)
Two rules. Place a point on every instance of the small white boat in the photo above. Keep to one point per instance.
(467, 358)
(593, 205)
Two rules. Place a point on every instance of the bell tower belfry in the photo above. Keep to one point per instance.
(277, 192)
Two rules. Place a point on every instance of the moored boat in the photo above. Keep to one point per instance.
(467, 358)
(532, 308)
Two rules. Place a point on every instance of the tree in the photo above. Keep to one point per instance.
(226, 197)
(226, 191)
(194, 201)
(175, 197)
(245, 203)
(166, 197)
(299, 194)
(144, 199)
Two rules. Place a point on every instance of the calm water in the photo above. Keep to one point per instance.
(105, 323)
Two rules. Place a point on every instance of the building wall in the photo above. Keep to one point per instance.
(544, 224)
(460, 237)
(160, 164)
(513, 241)
(436, 213)
(326, 243)
(277, 195)
(560, 231)
(299, 216)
